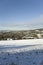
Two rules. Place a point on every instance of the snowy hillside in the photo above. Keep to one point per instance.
(21, 52)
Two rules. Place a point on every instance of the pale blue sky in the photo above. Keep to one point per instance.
(21, 14)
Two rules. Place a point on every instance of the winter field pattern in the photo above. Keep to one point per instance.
(21, 52)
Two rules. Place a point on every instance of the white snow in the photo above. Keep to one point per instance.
(21, 52)
(22, 42)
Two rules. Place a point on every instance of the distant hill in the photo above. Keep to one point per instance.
(22, 34)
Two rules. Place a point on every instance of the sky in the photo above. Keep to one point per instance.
(21, 14)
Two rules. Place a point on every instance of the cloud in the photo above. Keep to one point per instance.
(38, 21)
(33, 23)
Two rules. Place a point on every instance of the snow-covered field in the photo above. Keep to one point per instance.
(21, 52)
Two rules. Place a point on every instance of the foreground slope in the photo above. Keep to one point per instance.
(21, 52)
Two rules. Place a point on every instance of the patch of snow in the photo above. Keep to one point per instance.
(21, 52)
(22, 42)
